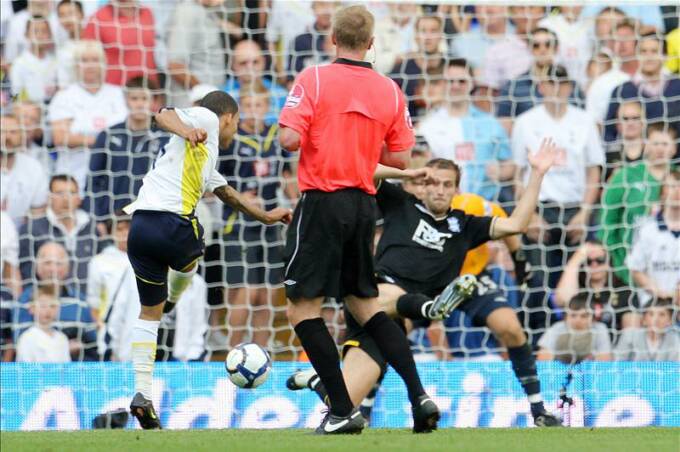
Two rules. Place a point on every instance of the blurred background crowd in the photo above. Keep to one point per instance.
(79, 80)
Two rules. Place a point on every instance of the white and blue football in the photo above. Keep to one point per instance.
(248, 365)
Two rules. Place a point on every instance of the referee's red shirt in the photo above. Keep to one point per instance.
(344, 113)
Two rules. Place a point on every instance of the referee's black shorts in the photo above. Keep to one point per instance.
(329, 246)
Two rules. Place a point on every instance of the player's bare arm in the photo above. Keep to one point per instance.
(238, 201)
(289, 139)
(518, 222)
(389, 172)
(168, 120)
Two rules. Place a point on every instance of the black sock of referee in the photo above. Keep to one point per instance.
(323, 354)
(524, 366)
(394, 346)
(414, 306)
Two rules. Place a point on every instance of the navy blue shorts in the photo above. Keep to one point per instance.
(158, 240)
(487, 298)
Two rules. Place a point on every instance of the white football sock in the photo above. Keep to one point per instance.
(178, 282)
(144, 337)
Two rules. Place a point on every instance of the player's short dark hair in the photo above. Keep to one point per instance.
(661, 127)
(579, 302)
(78, 5)
(219, 103)
(63, 178)
(445, 164)
(142, 82)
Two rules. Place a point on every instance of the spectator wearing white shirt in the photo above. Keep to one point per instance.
(571, 187)
(15, 37)
(42, 343)
(114, 303)
(576, 46)
(576, 338)
(394, 35)
(33, 75)
(78, 113)
(9, 255)
(625, 65)
(286, 21)
(657, 341)
(71, 17)
(655, 257)
(30, 117)
(23, 182)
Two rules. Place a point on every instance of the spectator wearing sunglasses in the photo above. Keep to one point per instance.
(522, 93)
(588, 272)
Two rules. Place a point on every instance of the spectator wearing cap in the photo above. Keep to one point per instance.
(65, 223)
(79, 112)
(522, 93)
(248, 68)
(196, 54)
(632, 192)
(474, 139)
(658, 91)
(126, 31)
(33, 75)
(123, 153)
(654, 259)
(571, 187)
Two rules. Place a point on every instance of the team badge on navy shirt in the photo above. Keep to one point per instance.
(454, 224)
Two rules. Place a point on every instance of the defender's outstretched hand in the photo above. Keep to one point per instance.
(545, 158)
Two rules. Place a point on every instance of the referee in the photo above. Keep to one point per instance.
(345, 118)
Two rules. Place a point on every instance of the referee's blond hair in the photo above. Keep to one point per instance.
(353, 27)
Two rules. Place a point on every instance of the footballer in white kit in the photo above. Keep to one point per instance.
(165, 239)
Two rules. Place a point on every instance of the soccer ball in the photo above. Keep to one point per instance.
(248, 365)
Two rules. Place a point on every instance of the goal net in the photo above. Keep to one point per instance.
(483, 82)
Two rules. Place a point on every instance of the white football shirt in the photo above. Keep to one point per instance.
(182, 173)
(38, 346)
(656, 252)
(578, 142)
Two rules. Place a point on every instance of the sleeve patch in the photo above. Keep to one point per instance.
(295, 96)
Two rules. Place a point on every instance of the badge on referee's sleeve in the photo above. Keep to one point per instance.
(295, 96)
(407, 118)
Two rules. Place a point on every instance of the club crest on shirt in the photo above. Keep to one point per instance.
(295, 96)
(454, 224)
(429, 237)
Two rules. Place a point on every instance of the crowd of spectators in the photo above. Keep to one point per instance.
(484, 85)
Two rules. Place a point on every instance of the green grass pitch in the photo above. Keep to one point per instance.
(505, 440)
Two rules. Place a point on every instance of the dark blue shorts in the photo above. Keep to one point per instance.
(487, 298)
(158, 240)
